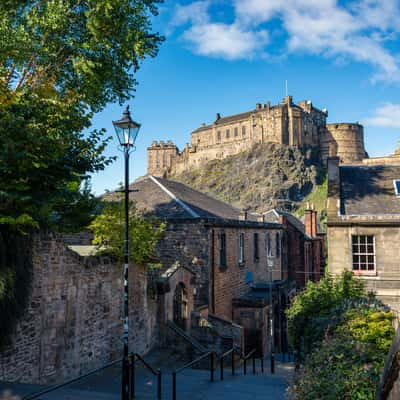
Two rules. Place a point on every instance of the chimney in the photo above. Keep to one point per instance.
(243, 215)
(218, 117)
(310, 221)
(258, 106)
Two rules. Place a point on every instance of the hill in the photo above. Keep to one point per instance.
(266, 176)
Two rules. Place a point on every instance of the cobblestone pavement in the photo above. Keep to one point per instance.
(191, 385)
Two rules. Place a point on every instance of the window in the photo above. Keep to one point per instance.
(241, 248)
(396, 184)
(268, 250)
(218, 136)
(243, 131)
(222, 250)
(236, 132)
(277, 245)
(363, 250)
(227, 133)
(255, 242)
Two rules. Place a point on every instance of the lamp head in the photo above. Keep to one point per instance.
(126, 129)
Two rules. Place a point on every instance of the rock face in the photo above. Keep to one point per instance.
(266, 176)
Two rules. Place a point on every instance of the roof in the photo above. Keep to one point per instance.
(226, 120)
(273, 216)
(167, 199)
(369, 190)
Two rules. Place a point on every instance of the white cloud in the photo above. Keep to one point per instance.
(225, 41)
(359, 31)
(387, 115)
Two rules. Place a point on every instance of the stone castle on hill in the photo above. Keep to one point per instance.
(286, 123)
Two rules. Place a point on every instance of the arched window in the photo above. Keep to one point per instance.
(268, 249)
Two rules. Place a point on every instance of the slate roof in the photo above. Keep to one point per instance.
(273, 216)
(167, 199)
(369, 190)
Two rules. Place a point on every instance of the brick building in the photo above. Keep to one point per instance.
(364, 224)
(286, 123)
(225, 257)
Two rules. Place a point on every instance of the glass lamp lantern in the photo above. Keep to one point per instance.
(126, 129)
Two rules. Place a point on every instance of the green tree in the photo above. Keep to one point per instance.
(144, 233)
(61, 61)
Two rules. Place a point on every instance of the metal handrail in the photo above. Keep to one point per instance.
(195, 361)
(60, 385)
(146, 364)
(157, 373)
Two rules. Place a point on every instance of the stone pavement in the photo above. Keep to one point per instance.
(192, 384)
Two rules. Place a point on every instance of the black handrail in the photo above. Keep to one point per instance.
(132, 358)
(60, 385)
(190, 364)
(157, 373)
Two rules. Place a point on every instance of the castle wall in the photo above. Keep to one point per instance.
(285, 123)
(348, 141)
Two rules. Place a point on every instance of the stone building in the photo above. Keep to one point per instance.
(364, 224)
(285, 123)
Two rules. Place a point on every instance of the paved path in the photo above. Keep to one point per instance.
(191, 385)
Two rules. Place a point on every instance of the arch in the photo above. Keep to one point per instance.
(180, 311)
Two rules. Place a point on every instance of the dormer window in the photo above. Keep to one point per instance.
(396, 184)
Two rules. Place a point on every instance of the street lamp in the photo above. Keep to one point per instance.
(127, 131)
(270, 263)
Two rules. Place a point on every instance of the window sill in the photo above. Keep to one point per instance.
(365, 273)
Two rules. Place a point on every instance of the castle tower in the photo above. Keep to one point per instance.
(348, 139)
(161, 157)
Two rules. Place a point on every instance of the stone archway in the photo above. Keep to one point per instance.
(180, 306)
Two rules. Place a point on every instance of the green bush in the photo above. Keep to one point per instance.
(343, 335)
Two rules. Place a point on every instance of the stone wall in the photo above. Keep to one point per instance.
(73, 321)
(385, 281)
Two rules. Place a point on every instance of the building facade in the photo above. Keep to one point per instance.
(286, 123)
(364, 225)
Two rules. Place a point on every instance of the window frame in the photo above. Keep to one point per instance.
(256, 249)
(241, 248)
(222, 249)
(227, 133)
(396, 184)
(268, 247)
(360, 246)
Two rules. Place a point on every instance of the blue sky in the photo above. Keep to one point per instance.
(226, 56)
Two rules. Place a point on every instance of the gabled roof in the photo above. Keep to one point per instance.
(273, 216)
(167, 199)
(369, 190)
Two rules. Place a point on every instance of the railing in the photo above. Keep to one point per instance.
(131, 360)
(157, 373)
(211, 354)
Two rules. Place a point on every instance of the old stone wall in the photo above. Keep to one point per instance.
(348, 141)
(73, 321)
(186, 242)
(385, 280)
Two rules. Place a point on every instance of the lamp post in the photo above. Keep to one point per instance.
(270, 263)
(126, 130)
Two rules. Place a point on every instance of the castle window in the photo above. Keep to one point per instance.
(255, 244)
(241, 248)
(218, 136)
(227, 133)
(236, 132)
(222, 250)
(243, 131)
(363, 252)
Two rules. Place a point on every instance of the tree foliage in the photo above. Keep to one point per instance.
(144, 233)
(61, 61)
(342, 334)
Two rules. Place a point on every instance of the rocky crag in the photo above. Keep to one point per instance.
(266, 176)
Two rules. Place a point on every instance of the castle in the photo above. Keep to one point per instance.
(286, 123)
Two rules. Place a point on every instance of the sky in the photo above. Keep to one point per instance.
(227, 55)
